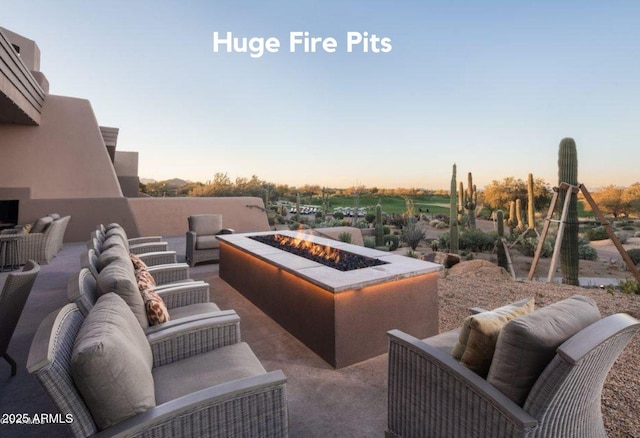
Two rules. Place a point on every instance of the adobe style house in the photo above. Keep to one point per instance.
(55, 157)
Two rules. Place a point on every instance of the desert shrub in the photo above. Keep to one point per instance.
(345, 237)
(412, 235)
(629, 228)
(386, 230)
(596, 233)
(622, 236)
(634, 254)
(636, 234)
(369, 241)
(529, 245)
(476, 241)
(586, 252)
(444, 240)
(629, 287)
(411, 254)
(583, 240)
(435, 245)
(442, 226)
(398, 220)
(271, 219)
(392, 242)
(361, 223)
(319, 214)
(370, 217)
(435, 222)
(442, 218)
(338, 215)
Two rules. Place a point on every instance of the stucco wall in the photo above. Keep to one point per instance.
(168, 216)
(85, 214)
(64, 157)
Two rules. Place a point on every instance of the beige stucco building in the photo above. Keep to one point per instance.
(55, 157)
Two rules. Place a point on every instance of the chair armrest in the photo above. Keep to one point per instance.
(146, 239)
(433, 393)
(226, 231)
(169, 273)
(181, 295)
(180, 341)
(252, 406)
(142, 248)
(158, 258)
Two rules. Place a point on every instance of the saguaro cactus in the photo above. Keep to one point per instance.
(379, 230)
(460, 204)
(512, 214)
(297, 207)
(531, 208)
(453, 213)
(568, 173)
(502, 256)
(519, 214)
(470, 201)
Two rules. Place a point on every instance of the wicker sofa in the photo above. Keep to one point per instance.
(42, 240)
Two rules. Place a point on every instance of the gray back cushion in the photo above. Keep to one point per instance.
(41, 224)
(111, 363)
(205, 224)
(119, 277)
(527, 344)
(115, 240)
(107, 256)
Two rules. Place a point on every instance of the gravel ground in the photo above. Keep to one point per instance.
(479, 283)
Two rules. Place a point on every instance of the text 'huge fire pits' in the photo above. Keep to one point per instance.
(332, 257)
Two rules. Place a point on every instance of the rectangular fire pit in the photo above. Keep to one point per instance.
(343, 316)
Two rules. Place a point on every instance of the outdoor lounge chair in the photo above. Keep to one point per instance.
(175, 385)
(431, 394)
(202, 244)
(185, 302)
(15, 292)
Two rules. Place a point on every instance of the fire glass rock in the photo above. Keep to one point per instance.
(332, 257)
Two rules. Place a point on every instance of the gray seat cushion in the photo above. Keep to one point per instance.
(205, 224)
(527, 344)
(118, 277)
(111, 363)
(222, 365)
(192, 309)
(444, 341)
(207, 242)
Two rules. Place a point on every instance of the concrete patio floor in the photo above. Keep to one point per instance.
(323, 402)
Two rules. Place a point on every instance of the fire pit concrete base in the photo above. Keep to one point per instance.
(342, 316)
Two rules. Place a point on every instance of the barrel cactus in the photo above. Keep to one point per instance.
(568, 173)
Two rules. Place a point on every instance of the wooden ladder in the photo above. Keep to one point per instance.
(572, 190)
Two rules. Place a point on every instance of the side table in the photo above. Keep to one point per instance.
(7, 242)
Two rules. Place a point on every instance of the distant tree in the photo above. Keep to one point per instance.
(631, 196)
(498, 194)
(610, 200)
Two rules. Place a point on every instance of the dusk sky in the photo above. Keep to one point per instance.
(492, 86)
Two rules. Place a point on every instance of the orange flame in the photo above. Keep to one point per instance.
(324, 251)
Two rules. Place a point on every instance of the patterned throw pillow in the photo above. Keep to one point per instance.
(137, 263)
(157, 312)
(145, 280)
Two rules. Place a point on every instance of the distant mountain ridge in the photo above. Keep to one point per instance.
(173, 182)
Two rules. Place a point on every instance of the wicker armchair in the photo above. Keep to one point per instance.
(191, 388)
(42, 246)
(432, 395)
(202, 244)
(15, 292)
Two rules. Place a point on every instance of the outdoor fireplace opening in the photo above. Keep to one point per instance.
(332, 257)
